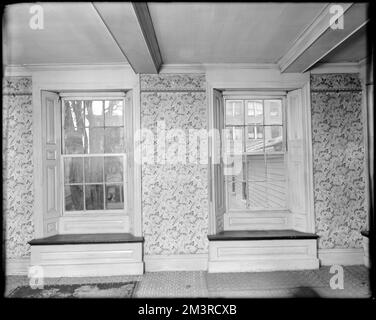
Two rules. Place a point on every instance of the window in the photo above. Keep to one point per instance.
(94, 155)
(257, 126)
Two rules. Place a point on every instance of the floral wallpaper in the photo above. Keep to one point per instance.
(17, 168)
(174, 196)
(338, 160)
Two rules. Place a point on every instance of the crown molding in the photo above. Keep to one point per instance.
(340, 67)
(16, 71)
(182, 68)
(209, 66)
(28, 69)
(318, 26)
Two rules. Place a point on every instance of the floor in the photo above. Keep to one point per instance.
(280, 284)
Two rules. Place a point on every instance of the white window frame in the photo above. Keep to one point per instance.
(244, 97)
(126, 115)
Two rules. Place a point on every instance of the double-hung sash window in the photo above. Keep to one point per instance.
(94, 155)
(258, 127)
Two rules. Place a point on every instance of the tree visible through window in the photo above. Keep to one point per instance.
(257, 125)
(94, 155)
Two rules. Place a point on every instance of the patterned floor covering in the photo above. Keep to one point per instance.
(280, 284)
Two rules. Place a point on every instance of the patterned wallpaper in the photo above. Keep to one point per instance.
(17, 168)
(338, 160)
(174, 196)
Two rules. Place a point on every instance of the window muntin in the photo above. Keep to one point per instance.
(257, 125)
(94, 155)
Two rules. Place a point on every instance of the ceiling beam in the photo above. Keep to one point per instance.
(131, 27)
(320, 38)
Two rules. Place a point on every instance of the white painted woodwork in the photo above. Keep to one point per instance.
(218, 179)
(178, 262)
(299, 160)
(80, 79)
(262, 255)
(104, 223)
(267, 80)
(88, 260)
(319, 39)
(131, 27)
(263, 220)
(341, 256)
(366, 257)
(353, 49)
(17, 266)
(51, 161)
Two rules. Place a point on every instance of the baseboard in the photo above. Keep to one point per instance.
(17, 266)
(341, 256)
(366, 258)
(180, 262)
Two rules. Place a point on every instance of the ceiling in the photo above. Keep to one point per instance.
(229, 32)
(187, 33)
(72, 33)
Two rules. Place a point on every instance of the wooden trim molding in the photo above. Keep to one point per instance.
(262, 255)
(17, 266)
(319, 39)
(146, 24)
(341, 256)
(180, 262)
(88, 260)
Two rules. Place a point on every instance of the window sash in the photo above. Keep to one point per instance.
(96, 96)
(246, 182)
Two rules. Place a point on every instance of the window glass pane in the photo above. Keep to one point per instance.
(273, 139)
(236, 193)
(233, 140)
(94, 113)
(114, 140)
(276, 194)
(94, 140)
(74, 198)
(273, 112)
(73, 114)
(254, 111)
(113, 167)
(257, 194)
(114, 196)
(256, 168)
(74, 141)
(255, 139)
(73, 171)
(94, 169)
(234, 112)
(114, 113)
(275, 167)
(94, 197)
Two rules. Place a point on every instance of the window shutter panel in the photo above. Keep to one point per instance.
(218, 179)
(296, 158)
(51, 139)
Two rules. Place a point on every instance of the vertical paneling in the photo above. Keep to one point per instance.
(51, 120)
(295, 142)
(218, 181)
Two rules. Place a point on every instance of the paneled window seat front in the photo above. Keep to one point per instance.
(75, 255)
(262, 250)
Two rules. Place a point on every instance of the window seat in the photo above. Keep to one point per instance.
(262, 250)
(95, 238)
(261, 235)
(88, 255)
